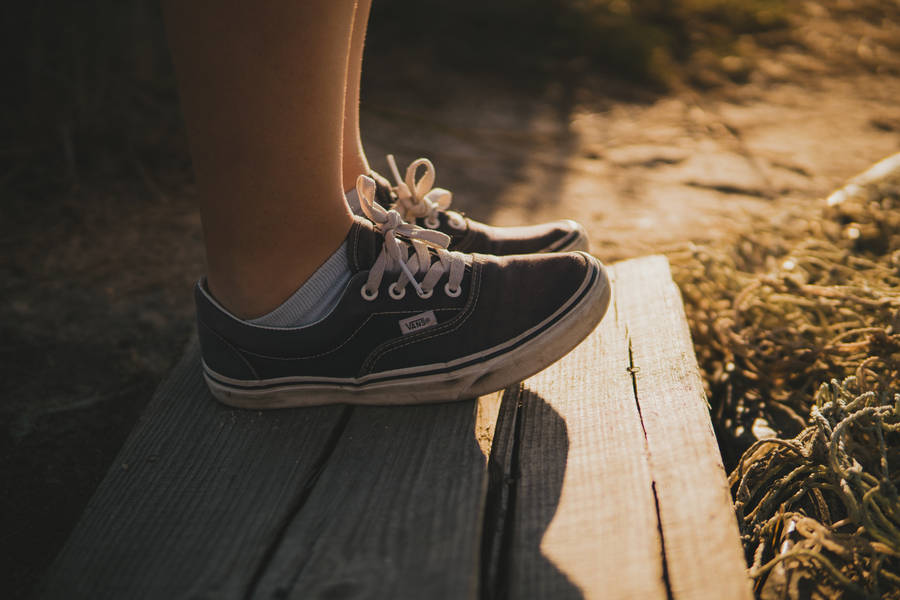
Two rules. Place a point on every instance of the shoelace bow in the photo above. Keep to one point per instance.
(420, 199)
(397, 251)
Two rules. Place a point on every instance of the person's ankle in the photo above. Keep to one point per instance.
(248, 296)
(354, 165)
(256, 285)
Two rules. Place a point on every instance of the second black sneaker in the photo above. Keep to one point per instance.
(419, 202)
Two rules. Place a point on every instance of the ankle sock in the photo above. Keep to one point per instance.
(316, 297)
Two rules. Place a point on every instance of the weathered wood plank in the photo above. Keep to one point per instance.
(702, 548)
(585, 524)
(195, 499)
(396, 513)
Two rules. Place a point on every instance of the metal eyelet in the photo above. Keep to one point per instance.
(396, 292)
(452, 293)
(367, 295)
(426, 294)
(432, 222)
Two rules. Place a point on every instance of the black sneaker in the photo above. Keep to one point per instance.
(419, 202)
(417, 323)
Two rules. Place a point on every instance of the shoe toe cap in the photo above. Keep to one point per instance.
(527, 290)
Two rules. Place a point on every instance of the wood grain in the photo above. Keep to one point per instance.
(700, 534)
(396, 513)
(195, 499)
(488, 410)
(585, 520)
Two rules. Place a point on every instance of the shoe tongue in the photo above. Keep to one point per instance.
(364, 244)
(383, 194)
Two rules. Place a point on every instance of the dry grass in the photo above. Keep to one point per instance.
(797, 327)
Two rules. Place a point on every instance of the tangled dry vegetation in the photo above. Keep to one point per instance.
(797, 327)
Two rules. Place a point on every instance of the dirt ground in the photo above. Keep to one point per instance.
(644, 171)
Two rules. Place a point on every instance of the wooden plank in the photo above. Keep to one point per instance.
(585, 524)
(397, 511)
(703, 553)
(195, 499)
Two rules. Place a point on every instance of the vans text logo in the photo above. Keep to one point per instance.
(417, 322)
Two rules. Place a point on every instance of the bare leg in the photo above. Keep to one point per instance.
(262, 89)
(355, 162)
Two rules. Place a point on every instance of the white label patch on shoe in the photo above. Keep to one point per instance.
(418, 322)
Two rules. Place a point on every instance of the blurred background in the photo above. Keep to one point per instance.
(654, 122)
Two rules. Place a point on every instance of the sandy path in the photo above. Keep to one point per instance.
(642, 176)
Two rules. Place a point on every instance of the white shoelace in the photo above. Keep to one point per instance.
(420, 199)
(396, 251)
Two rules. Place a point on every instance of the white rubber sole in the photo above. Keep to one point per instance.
(502, 369)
